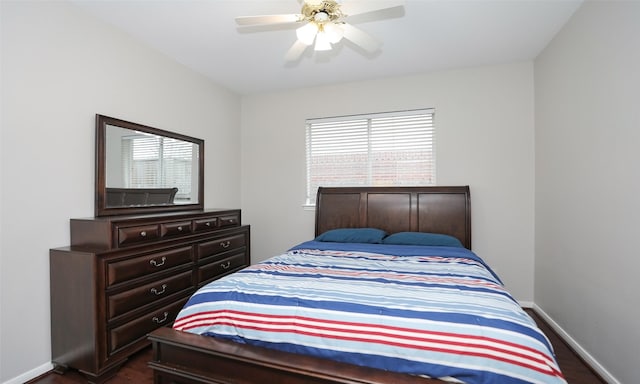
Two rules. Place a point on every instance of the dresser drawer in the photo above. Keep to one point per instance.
(139, 234)
(138, 328)
(121, 303)
(219, 268)
(229, 221)
(207, 224)
(124, 270)
(175, 229)
(223, 244)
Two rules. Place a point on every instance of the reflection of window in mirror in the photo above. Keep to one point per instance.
(150, 161)
(158, 162)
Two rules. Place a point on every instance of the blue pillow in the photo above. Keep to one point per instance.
(422, 238)
(353, 235)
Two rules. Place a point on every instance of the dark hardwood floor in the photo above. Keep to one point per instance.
(136, 370)
(574, 369)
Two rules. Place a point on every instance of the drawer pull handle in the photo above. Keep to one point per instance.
(160, 321)
(158, 293)
(156, 264)
(226, 265)
(143, 234)
(208, 223)
(225, 244)
(180, 228)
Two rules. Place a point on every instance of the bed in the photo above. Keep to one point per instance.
(388, 291)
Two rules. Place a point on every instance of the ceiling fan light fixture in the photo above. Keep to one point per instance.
(322, 42)
(307, 33)
(321, 17)
(334, 32)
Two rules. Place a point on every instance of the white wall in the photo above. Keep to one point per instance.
(484, 123)
(587, 183)
(59, 68)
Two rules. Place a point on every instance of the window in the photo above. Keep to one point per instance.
(151, 161)
(382, 149)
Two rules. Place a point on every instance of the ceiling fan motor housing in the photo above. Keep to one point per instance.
(322, 11)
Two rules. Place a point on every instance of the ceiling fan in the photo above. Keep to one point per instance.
(323, 22)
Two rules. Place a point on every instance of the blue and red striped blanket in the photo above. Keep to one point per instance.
(432, 311)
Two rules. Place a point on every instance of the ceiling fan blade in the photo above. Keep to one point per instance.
(360, 38)
(296, 50)
(268, 19)
(356, 7)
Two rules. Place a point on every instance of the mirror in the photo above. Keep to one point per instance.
(140, 169)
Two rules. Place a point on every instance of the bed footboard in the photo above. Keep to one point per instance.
(183, 358)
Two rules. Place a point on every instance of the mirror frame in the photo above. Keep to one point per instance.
(101, 208)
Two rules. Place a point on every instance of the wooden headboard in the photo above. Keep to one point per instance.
(444, 210)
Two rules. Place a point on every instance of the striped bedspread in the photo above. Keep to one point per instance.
(437, 312)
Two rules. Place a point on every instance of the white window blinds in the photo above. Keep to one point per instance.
(382, 149)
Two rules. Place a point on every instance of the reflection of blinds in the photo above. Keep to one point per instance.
(177, 163)
(157, 162)
(383, 149)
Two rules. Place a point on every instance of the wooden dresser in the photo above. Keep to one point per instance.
(124, 276)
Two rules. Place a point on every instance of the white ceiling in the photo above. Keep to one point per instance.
(424, 36)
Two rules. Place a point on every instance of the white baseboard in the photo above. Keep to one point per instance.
(577, 347)
(30, 375)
